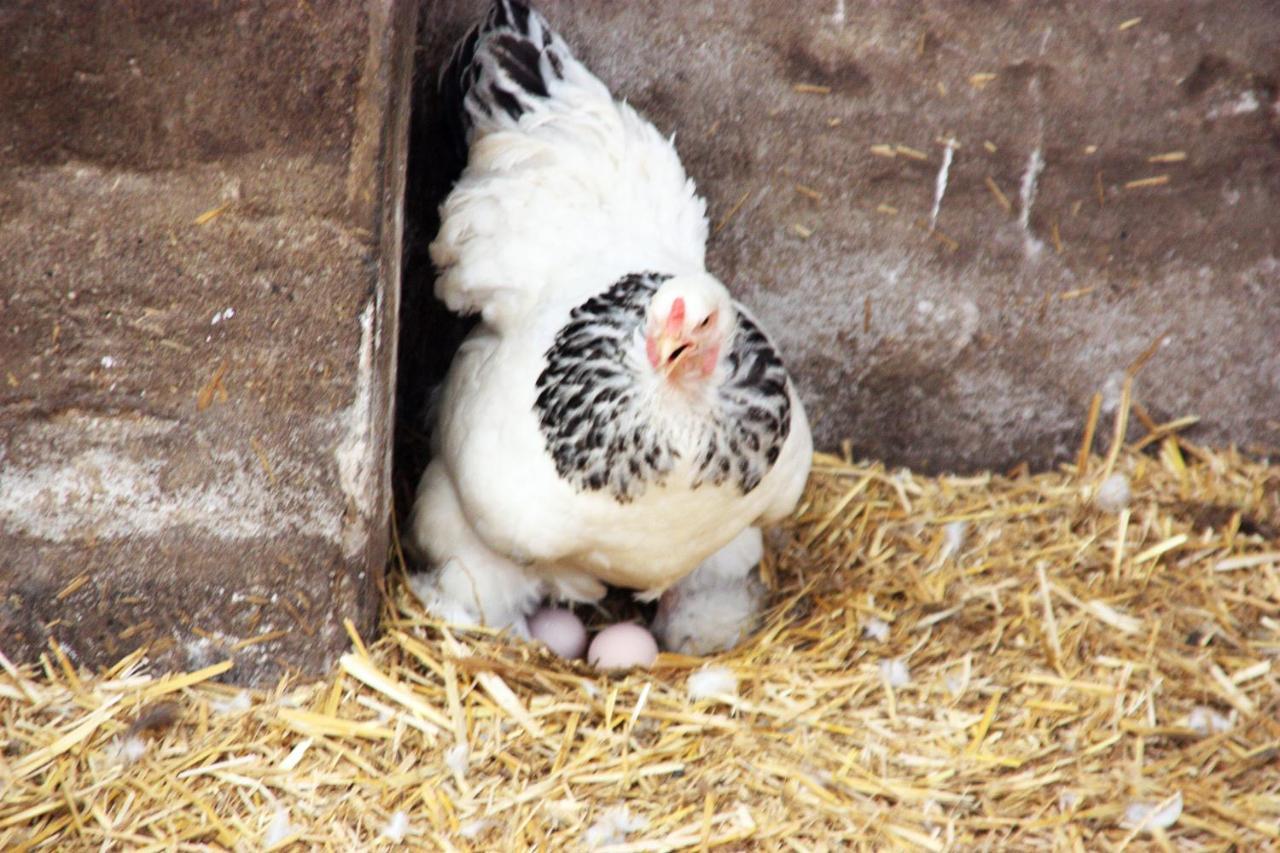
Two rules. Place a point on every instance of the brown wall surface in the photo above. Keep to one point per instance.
(200, 244)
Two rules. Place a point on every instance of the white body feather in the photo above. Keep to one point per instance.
(554, 207)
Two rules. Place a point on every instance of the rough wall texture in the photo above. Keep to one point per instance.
(1113, 178)
(959, 220)
(199, 258)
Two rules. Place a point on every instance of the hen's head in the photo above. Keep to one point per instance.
(687, 325)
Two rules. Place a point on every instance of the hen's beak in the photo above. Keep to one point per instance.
(668, 347)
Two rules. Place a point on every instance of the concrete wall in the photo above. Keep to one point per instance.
(200, 244)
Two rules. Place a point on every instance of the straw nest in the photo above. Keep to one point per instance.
(1081, 659)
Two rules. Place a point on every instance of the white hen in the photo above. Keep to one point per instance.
(616, 417)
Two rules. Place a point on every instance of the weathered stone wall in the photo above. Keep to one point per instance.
(1114, 178)
(199, 264)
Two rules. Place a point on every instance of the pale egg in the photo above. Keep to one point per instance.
(621, 646)
(561, 630)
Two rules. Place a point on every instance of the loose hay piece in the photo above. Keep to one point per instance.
(1066, 667)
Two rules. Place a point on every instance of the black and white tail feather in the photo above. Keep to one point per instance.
(556, 170)
(498, 69)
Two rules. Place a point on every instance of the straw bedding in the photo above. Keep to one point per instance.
(1017, 662)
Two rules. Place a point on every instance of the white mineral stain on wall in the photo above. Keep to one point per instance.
(353, 453)
(940, 185)
(1246, 102)
(117, 489)
(1027, 198)
(107, 494)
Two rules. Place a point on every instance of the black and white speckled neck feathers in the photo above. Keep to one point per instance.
(599, 426)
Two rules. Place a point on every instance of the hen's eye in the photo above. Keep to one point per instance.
(705, 322)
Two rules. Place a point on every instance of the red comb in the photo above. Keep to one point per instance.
(675, 319)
